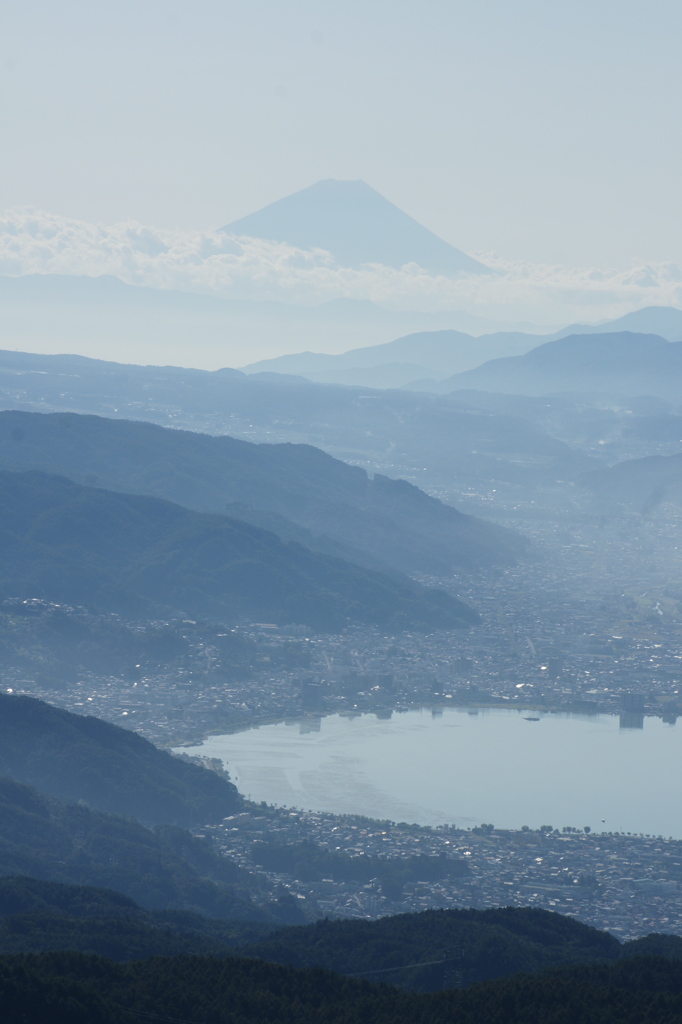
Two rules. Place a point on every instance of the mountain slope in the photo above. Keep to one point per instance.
(423, 354)
(377, 520)
(489, 944)
(618, 363)
(644, 483)
(79, 758)
(357, 225)
(423, 438)
(665, 321)
(468, 946)
(37, 915)
(443, 353)
(118, 552)
(161, 868)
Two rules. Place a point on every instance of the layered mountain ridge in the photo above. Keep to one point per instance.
(621, 363)
(428, 440)
(426, 360)
(376, 521)
(145, 556)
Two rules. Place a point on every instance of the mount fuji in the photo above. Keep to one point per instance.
(357, 225)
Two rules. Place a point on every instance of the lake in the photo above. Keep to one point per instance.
(465, 766)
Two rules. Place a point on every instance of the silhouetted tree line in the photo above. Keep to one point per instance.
(70, 988)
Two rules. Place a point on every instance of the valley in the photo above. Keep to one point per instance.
(529, 566)
(340, 505)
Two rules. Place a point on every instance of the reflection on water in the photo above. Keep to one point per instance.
(466, 766)
(308, 725)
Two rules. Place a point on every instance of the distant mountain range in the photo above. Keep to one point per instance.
(665, 321)
(620, 363)
(426, 360)
(297, 491)
(106, 318)
(357, 225)
(380, 348)
(402, 362)
(143, 556)
(434, 441)
(103, 316)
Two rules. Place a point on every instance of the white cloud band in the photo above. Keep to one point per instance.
(33, 242)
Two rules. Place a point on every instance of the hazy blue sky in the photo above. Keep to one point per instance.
(546, 131)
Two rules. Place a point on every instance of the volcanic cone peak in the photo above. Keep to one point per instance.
(357, 225)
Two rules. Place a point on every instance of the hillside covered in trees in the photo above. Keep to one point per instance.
(144, 556)
(440, 948)
(296, 490)
(83, 759)
(37, 915)
(424, 952)
(70, 988)
(160, 868)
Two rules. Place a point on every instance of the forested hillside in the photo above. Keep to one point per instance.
(455, 947)
(139, 555)
(54, 644)
(429, 440)
(69, 988)
(159, 868)
(37, 915)
(345, 512)
(86, 760)
(424, 952)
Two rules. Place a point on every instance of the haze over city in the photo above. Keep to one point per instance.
(340, 493)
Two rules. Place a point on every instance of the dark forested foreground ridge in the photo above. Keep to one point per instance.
(70, 988)
(295, 490)
(425, 952)
(38, 915)
(438, 949)
(83, 759)
(127, 553)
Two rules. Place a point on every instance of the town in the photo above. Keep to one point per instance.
(561, 632)
(626, 884)
(591, 624)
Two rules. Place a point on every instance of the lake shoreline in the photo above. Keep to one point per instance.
(461, 765)
(193, 738)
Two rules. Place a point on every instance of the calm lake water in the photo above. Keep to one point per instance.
(466, 766)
